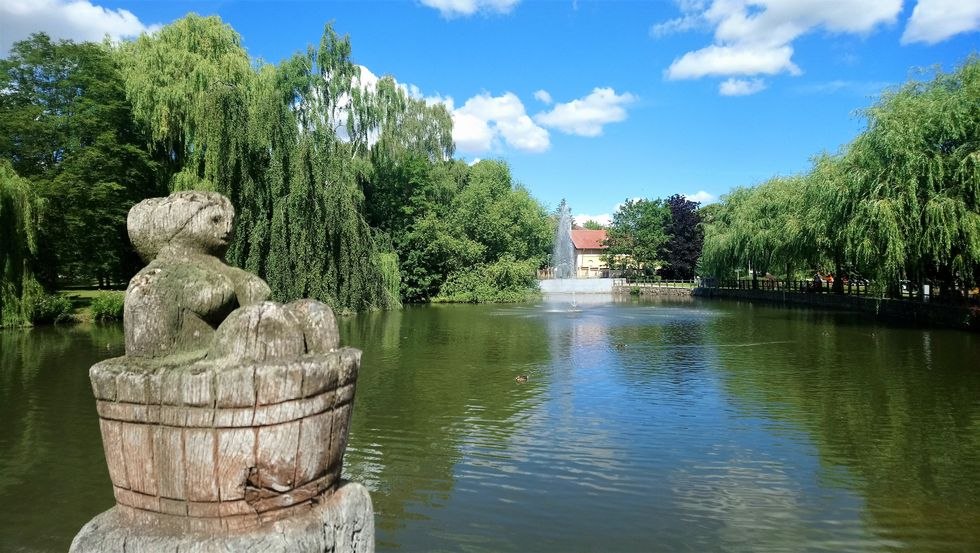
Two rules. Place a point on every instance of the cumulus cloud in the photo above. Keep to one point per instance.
(741, 87)
(456, 8)
(733, 60)
(934, 21)
(692, 18)
(78, 20)
(755, 37)
(543, 96)
(484, 122)
(586, 116)
(702, 197)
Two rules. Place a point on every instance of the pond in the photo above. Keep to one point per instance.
(643, 426)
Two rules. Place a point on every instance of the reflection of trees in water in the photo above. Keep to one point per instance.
(432, 379)
(897, 407)
(52, 470)
(662, 346)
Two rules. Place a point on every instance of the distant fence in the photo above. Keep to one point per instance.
(654, 282)
(851, 287)
(904, 290)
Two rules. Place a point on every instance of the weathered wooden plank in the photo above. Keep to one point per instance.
(197, 388)
(233, 418)
(321, 374)
(103, 382)
(276, 462)
(235, 508)
(199, 464)
(203, 509)
(137, 500)
(235, 387)
(173, 507)
(112, 442)
(349, 365)
(286, 411)
(235, 457)
(312, 454)
(169, 454)
(275, 383)
(130, 387)
(339, 432)
(137, 448)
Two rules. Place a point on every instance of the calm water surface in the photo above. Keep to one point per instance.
(643, 427)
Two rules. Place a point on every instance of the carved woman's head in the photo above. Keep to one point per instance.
(183, 222)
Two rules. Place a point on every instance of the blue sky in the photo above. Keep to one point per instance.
(600, 101)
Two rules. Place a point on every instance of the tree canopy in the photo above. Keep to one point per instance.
(637, 236)
(69, 131)
(902, 201)
(344, 185)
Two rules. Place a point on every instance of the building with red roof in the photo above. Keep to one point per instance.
(589, 250)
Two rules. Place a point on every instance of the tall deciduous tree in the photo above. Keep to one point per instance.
(69, 129)
(685, 238)
(637, 236)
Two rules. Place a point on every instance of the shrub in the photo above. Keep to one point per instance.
(108, 306)
(505, 281)
(43, 308)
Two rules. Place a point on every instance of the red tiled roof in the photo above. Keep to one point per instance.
(588, 239)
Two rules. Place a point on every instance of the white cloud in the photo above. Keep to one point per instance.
(484, 121)
(733, 60)
(701, 197)
(543, 96)
(78, 20)
(934, 21)
(603, 219)
(755, 37)
(586, 116)
(454, 8)
(741, 87)
(483, 124)
(693, 18)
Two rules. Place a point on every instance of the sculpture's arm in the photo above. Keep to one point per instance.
(249, 288)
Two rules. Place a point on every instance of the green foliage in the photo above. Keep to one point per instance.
(344, 191)
(685, 238)
(284, 142)
(593, 225)
(107, 306)
(637, 236)
(504, 281)
(44, 308)
(901, 201)
(69, 129)
(448, 218)
(18, 246)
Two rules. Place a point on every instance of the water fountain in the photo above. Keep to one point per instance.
(563, 255)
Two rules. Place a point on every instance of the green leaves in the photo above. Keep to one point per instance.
(902, 200)
(637, 235)
(18, 246)
(72, 134)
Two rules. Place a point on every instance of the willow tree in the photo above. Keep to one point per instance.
(917, 196)
(281, 141)
(18, 246)
(190, 84)
(762, 228)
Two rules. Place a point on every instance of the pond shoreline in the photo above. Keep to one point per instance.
(929, 314)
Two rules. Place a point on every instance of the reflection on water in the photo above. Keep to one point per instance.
(53, 476)
(665, 426)
(644, 426)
